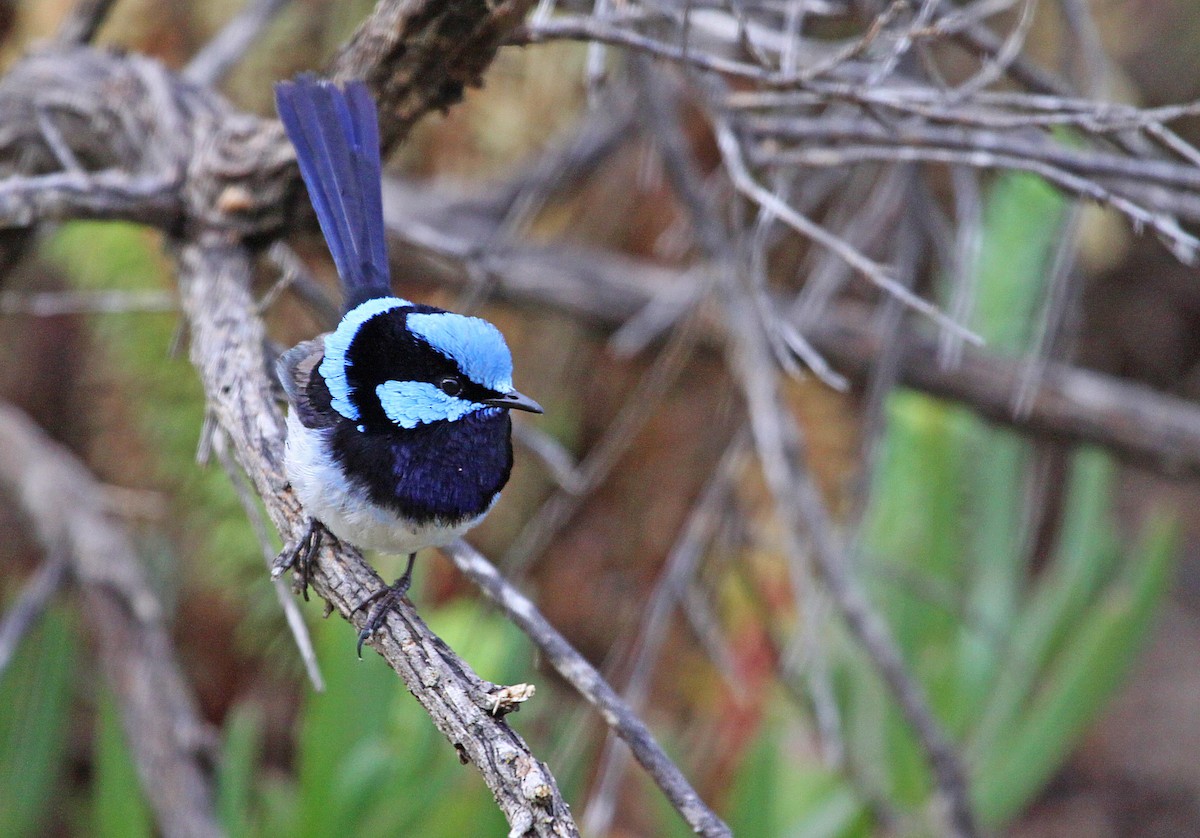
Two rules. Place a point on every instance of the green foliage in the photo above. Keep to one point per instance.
(368, 760)
(119, 808)
(35, 694)
(1016, 663)
(1022, 221)
(163, 397)
(775, 795)
(237, 769)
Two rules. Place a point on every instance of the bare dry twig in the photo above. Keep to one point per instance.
(1151, 429)
(235, 176)
(874, 102)
(670, 592)
(81, 25)
(29, 605)
(583, 676)
(211, 64)
(291, 609)
(797, 501)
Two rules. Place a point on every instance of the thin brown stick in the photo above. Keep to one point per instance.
(679, 572)
(556, 512)
(1150, 429)
(592, 686)
(83, 21)
(291, 609)
(29, 605)
(1086, 162)
(220, 54)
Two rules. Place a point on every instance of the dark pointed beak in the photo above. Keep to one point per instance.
(515, 401)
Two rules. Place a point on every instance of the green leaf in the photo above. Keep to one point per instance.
(774, 794)
(995, 570)
(119, 808)
(1054, 606)
(1079, 681)
(755, 788)
(353, 709)
(35, 693)
(912, 532)
(238, 768)
(1022, 221)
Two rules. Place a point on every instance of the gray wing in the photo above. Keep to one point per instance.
(303, 385)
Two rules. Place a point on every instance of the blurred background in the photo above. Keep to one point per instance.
(1046, 595)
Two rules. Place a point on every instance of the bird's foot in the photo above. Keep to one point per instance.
(302, 554)
(383, 601)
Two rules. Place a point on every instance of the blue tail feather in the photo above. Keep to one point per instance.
(336, 136)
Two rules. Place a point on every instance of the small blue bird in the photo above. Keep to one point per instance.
(399, 435)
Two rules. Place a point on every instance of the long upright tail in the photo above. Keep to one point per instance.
(336, 135)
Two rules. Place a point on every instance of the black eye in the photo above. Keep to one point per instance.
(450, 385)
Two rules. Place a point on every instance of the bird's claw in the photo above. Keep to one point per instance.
(301, 555)
(382, 601)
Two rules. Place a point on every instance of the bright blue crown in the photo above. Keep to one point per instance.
(474, 344)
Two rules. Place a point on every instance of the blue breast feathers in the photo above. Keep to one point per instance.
(333, 365)
(474, 344)
(412, 403)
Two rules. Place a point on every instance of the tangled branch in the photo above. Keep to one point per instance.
(839, 150)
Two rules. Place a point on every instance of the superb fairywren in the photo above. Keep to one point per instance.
(398, 433)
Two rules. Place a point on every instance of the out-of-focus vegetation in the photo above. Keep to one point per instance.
(1017, 644)
(35, 725)
(1018, 637)
(367, 761)
(1016, 662)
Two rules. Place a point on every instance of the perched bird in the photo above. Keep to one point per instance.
(398, 434)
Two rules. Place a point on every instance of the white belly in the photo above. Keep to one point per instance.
(344, 509)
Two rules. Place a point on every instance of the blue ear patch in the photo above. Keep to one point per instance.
(412, 403)
(474, 344)
(337, 344)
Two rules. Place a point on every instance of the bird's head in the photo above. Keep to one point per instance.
(395, 364)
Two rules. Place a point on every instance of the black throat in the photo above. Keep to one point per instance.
(441, 472)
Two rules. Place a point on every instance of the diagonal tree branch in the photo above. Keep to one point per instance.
(591, 685)
(420, 56)
(238, 181)
(227, 350)
(28, 606)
